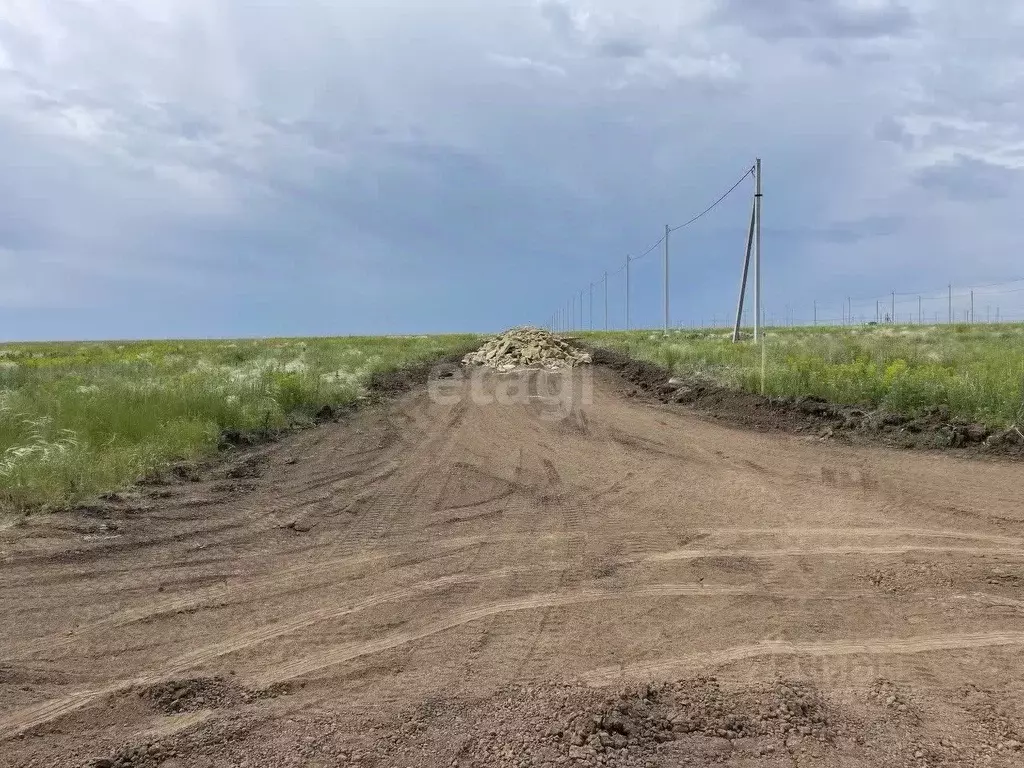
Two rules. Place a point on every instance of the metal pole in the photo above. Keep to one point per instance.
(606, 299)
(667, 231)
(743, 280)
(592, 307)
(757, 258)
(627, 291)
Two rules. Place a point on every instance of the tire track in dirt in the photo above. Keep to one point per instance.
(251, 589)
(695, 554)
(841, 531)
(550, 491)
(248, 591)
(351, 651)
(19, 722)
(389, 599)
(682, 665)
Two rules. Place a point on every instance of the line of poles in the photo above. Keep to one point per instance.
(892, 310)
(570, 317)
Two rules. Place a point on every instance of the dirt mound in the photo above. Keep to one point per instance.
(527, 348)
(176, 696)
(193, 694)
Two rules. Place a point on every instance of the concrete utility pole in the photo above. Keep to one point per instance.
(950, 303)
(743, 279)
(591, 306)
(627, 291)
(582, 324)
(668, 230)
(972, 306)
(606, 299)
(815, 311)
(878, 311)
(919, 321)
(894, 307)
(757, 252)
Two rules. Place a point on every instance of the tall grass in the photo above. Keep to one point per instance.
(77, 419)
(974, 371)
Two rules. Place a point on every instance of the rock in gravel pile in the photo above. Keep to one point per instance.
(527, 348)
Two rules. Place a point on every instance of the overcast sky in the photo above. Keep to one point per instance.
(224, 167)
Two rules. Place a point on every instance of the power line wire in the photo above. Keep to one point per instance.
(649, 250)
(699, 216)
(716, 203)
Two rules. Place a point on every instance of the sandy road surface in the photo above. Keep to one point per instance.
(470, 583)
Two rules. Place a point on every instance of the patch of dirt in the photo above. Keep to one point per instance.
(810, 415)
(693, 722)
(192, 694)
(484, 583)
(175, 696)
(249, 468)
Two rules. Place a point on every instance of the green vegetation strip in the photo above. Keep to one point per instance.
(974, 371)
(78, 419)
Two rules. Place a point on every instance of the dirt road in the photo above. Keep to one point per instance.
(476, 583)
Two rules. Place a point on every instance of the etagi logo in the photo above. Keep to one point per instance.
(552, 394)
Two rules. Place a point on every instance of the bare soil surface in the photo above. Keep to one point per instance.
(482, 580)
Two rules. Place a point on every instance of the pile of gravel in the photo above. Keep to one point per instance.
(527, 348)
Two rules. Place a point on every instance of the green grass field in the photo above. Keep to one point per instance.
(976, 371)
(77, 419)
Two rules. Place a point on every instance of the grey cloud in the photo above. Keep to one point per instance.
(845, 232)
(781, 19)
(889, 129)
(559, 17)
(622, 48)
(368, 140)
(970, 179)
